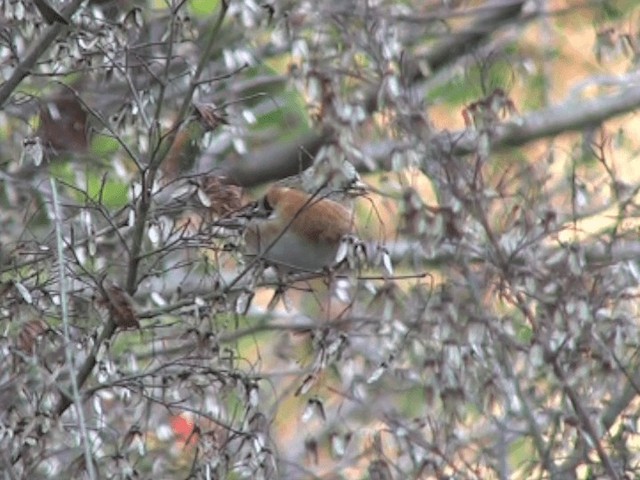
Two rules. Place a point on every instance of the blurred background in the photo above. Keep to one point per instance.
(485, 324)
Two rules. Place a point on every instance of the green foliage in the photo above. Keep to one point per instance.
(508, 161)
(456, 92)
(537, 84)
(476, 83)
(524, 332)
(288, 116)
(99, 188)
(103, 145)
(521, 453)
(412, 401)
(111, 193)
(203, 8)
(497, 73)
(614, 11)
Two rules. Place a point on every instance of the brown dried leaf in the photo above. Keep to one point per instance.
(210, 116)
(29, 334)
(63, 124)
(379, 470)
(224, 197)
(120, 306)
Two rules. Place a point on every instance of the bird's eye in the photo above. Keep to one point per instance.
(265, 205)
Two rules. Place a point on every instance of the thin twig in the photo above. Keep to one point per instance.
(68, 349)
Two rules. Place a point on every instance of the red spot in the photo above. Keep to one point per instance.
(183, 428)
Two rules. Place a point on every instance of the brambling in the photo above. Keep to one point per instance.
(297, 231)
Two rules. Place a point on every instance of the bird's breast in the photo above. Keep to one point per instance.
(288, 249)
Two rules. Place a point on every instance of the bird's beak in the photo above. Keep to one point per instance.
(357, 188)
(258, 210)
(240, 219)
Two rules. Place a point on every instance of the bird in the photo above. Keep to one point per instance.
(297, 231)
